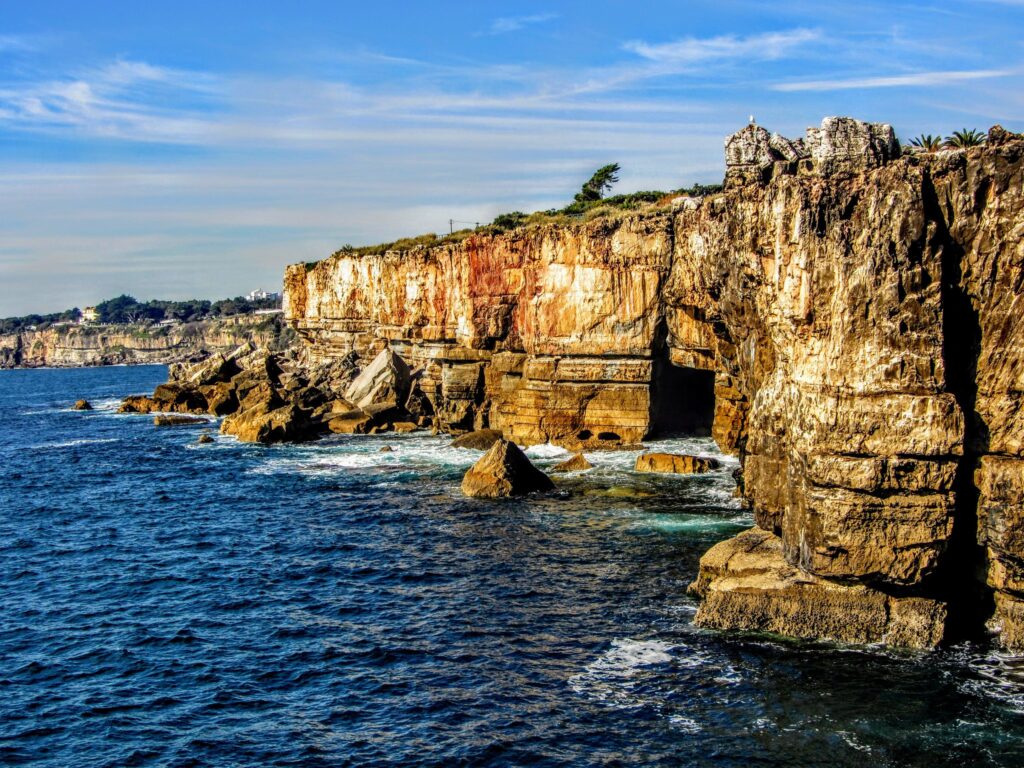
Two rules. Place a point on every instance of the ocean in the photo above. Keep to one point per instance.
(166, 603)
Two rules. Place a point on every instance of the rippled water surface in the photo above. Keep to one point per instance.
(168, 603)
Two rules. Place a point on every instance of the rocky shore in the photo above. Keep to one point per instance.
(843, 317)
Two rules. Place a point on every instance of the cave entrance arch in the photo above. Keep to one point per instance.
(682, 398)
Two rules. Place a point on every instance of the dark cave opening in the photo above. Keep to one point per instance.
(682, 399)
(960, 577)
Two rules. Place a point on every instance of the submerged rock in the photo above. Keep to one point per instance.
(504, 471)
(676, 464)
(204, 439)
(82, 405)
(575, 464)
(177, 420)
(481, 440)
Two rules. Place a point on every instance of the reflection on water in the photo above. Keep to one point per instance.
(168, 603)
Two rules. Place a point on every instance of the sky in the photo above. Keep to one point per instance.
(192, 149)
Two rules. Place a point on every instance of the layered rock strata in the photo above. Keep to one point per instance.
(74, 346)
(857, 311)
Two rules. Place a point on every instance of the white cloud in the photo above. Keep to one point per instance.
(515, 23)
(892, 81)
(693, 50)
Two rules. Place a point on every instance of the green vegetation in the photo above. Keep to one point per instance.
(967, 137)
(126, 309)
(927, 142)
(598, 185)
(578, 210)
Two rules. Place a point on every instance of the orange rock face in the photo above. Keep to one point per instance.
(858, 311)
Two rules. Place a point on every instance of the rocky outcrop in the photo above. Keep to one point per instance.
(82, 405)
(73, 346)
(577, 463)
(675, 464)
(842, 317)
(504, 471)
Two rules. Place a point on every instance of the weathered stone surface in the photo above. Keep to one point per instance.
(843, 144)
(504, 471)
(204, 439)
(746, 583)
(138, 404)
(285, 424)
(481, 440)
(177, 420)
(859, 310)
(675, 464)
(575, 464)
(82, 405)
(385, 380)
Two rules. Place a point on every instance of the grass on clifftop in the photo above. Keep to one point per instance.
(577, 211)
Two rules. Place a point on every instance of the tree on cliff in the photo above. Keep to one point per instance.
(599, 184)
(927, 142)
(968, 137)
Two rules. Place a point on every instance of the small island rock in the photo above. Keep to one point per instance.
(82, 405)
(504, 471)
(676, 464)
(575, 464)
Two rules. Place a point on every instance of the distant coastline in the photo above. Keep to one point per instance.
(144, 343)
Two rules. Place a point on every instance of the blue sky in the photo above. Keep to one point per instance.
(172, 150)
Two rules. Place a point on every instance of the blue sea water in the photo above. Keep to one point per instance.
(166, 603)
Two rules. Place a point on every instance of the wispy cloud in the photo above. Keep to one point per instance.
(121, 100)
(892, 81)
(17, 43)
(507, 24)
(695, 50)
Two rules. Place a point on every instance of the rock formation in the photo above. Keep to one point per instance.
(73, 346)
(675, 464)
(842, 317)
(577, 463)
(504, 471)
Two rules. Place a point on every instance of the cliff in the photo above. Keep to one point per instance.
(72, 346)
(843, 316)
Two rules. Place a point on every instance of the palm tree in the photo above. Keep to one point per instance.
(968, 137)
(927, 142)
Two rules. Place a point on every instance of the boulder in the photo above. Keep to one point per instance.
(177, 420)
(214, 369)
(404, 427)
(82, 405)
(504, 471)
(385, 380)
(221, 398)
(675, 464)
(481, 440)
(575, 464)
(204, 439)
(353, 422)
(138, 404)
(386, 449)
(287, 424)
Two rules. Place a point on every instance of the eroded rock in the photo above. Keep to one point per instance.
(504, 471)
(82, 405)
(675, 464)
(576, 463)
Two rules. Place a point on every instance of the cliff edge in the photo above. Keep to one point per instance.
(844, 316)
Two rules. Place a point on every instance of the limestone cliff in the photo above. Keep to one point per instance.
(72, 346)
(854, 310)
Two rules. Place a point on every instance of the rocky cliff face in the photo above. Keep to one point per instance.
(73, 346)
(843, 317)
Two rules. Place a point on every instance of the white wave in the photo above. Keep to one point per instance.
(75, 443)
(546, 451)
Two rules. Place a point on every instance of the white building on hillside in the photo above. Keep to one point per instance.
(260, 295)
